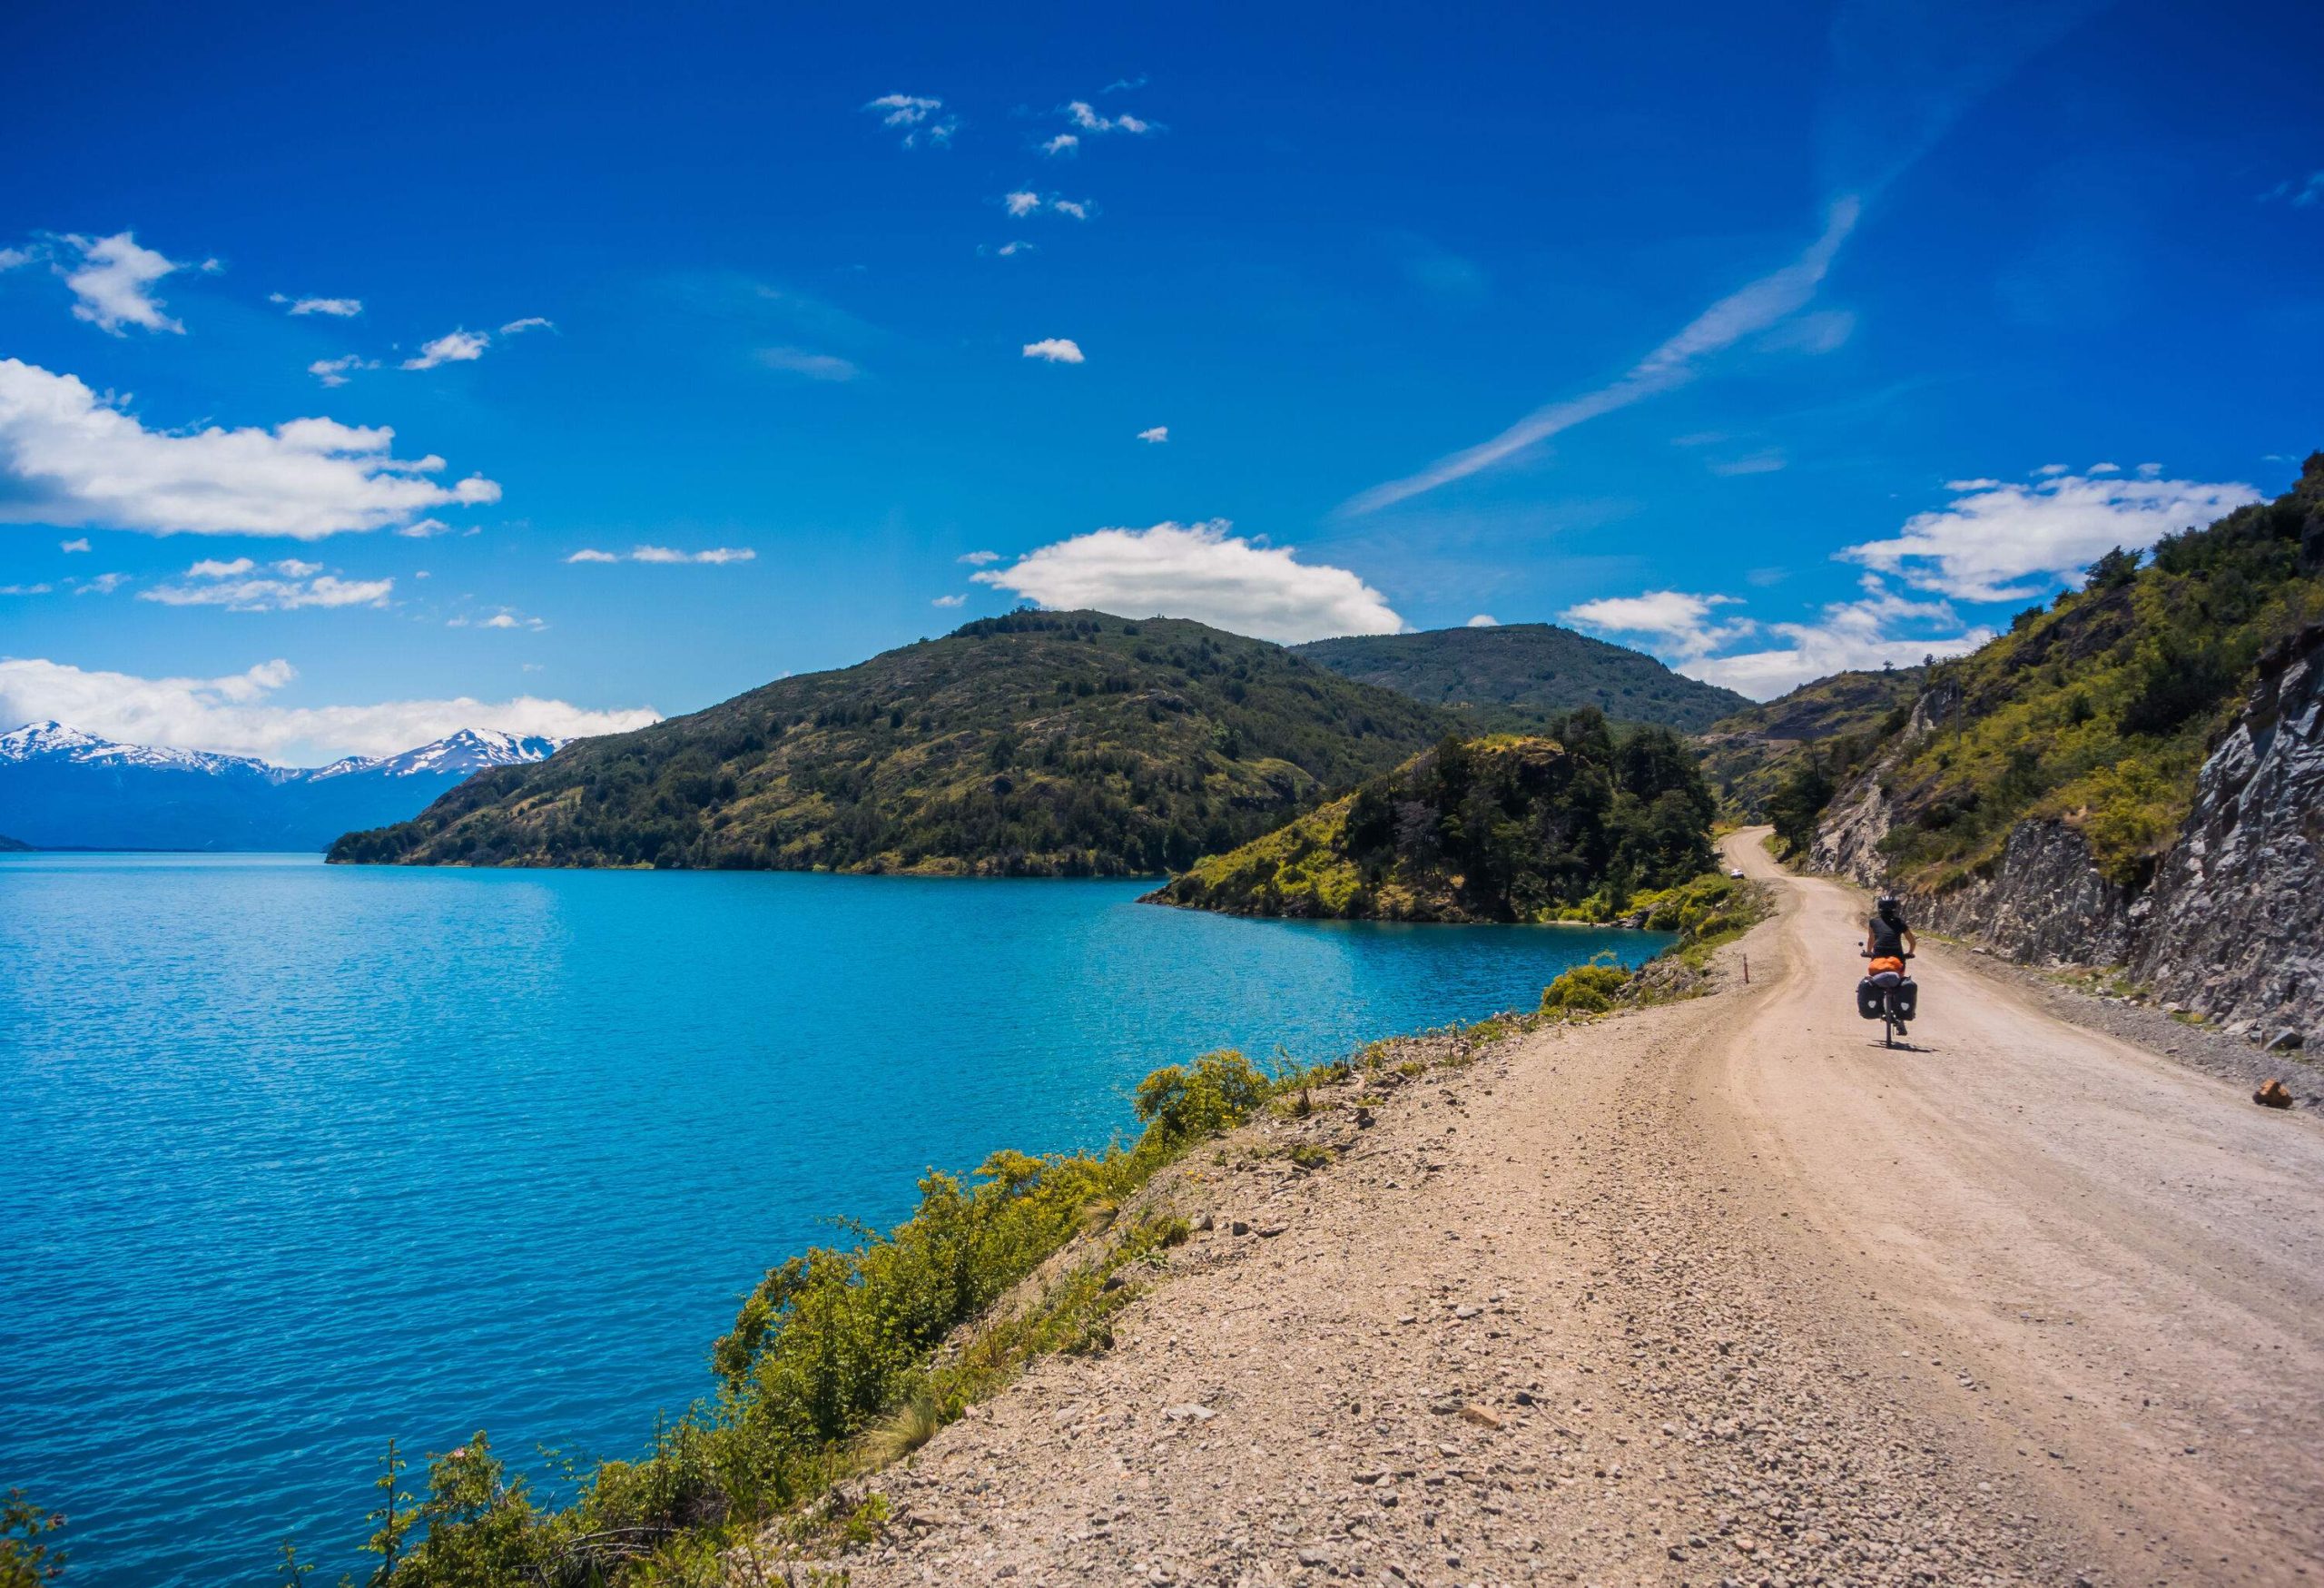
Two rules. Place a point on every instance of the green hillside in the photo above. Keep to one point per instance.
(1748, 756)
(2099, 709)
(1536, 667)
(1503, 828)
(13, 845)
(1036, 744)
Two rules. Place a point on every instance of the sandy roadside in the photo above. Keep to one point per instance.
(1703, 1292)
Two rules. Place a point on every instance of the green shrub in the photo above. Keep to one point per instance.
(1585, 989)
(1182, 1105)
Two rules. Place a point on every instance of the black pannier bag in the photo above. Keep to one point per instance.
(1908, 995)
(1867, 999)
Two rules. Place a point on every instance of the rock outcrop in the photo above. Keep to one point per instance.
(2235, 925)
(2231, 926)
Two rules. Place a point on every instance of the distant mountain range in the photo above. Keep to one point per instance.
(1532, 669)
(61, 788)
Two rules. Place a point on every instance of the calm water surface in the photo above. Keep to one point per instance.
(298, 1157)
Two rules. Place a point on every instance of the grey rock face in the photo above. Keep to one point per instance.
(2236, 923)
(2044, 901)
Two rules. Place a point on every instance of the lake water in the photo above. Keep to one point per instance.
(298, 1157)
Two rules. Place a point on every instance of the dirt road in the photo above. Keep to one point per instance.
(1719, 1291)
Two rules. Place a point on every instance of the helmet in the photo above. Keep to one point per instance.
(1886, 902)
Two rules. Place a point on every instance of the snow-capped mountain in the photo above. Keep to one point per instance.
(54, 741)
(61, 788)
(469, 750)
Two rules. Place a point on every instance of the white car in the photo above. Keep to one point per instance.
(1735, 871)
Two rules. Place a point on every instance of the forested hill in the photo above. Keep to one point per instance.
(1503, 828)
(1748, 757)
(1036, 744)
(1537, 667)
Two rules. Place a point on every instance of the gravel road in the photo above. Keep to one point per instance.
(1715, 1292)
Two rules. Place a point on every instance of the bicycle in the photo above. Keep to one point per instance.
(1890, 997)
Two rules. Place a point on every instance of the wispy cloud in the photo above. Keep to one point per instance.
(955, 600)
(338, 308)
(1055, 349)
(335, 372)
(920, 119)
(978, 559)
(1155, 436)
(1086, 118)
(284, 586)
(1201, 571)
(712, 556)
(813, 366)
(79, 543)
(234, 715)
(1752, 308)
(454, 347)
(1025, 201)
(72, 458)
(1063, 144)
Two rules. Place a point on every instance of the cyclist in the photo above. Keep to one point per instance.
(1887, 941)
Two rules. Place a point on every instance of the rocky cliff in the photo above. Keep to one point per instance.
(2234, 926)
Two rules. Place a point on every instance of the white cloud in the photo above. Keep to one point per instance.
(2054, 469)
(103, 585)
(1080, 113)
(1879, 629)
(1757, 307)
(1203, 572)
(953, 600)
(1055, 349)
(338, 308)
(1063, 144)
(1008, 250)
(1155, 436)
(425, 528)
(233, 714)
(922, 120)
(334, 371)
(284, 586)
(10, 258)
(26, 589)
(530, 322)
(813, 366)
(1677, 620)
(1766, 463)
(2000, 542)
(80, 542)
(1482, 620)
(978, 558)
(505, 617)
(69, 457)
(113, 283)
(666, 554)
(454, 347)
(1024, 202)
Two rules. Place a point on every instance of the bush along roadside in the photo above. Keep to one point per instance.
(1707, 913)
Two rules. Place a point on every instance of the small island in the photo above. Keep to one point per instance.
(1568, 825)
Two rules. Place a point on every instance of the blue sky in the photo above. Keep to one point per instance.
(1741, 335)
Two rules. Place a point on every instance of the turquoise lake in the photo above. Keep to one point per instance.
(300, 1158)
